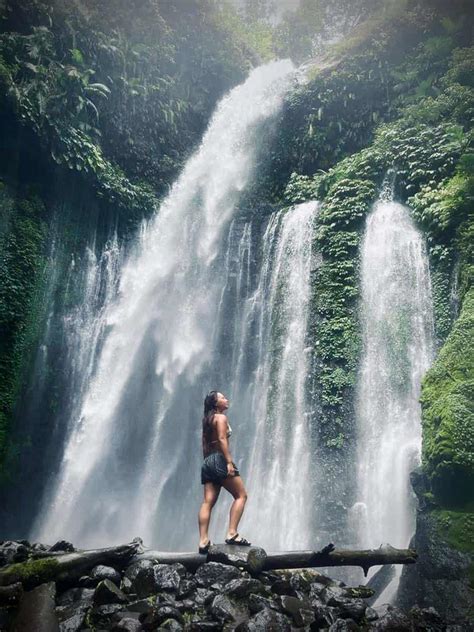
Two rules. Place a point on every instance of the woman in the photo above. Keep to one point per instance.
(218, 470)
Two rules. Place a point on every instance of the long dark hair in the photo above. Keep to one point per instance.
(210, 407)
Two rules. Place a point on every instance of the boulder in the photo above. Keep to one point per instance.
(37, 610)
(62, 546)
(242, 587)
(12, 552)
(215, 572)
(264, 621)
(107, 592)
(223, 608)
(158, 615)
(300, 610)
(127, 625)
(394, 620)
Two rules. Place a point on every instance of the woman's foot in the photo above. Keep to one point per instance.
(237, 539)
(204, 546)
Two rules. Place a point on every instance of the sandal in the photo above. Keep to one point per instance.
(241, 542)
(205, 549)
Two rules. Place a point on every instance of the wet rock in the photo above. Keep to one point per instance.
(258, 602)
(6, 616)
(205, 626)
(301, 583)
(394, 620)
(160, 614)
(168, 577)
(37, 610)
(72, 617)
(12, 552)
(171, 625)
(344, 625)
(101, 572)
(349, 608)
(142, 606)
(265, 621)
(241, 587)
(107, 592)
(427, 619)
(186, 587)
(300, 610)
(203, 596)
(225, 609)
(62, 546)
(74, 595)
(133, 572)
(283, 586)
(213, 572)
(371, 614)
(10, 595)
(127, 625)
(103, 616)
(333, 594)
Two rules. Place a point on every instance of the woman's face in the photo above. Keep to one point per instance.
(222, 402)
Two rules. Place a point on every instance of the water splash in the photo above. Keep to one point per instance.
(398, 334)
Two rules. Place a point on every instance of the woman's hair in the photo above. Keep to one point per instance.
(210, 407)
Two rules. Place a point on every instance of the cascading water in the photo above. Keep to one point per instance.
(269, 370)
(132, 458)
(397, 321)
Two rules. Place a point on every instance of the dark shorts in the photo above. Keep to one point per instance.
(214, 469)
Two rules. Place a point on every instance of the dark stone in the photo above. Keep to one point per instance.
(371, 614)
(349, 608)
(394, 620)
(186, 587)
(241, 587)
(334, 594)
(205, 626)
(225, 609)
(322, 618)
(74, 595)
(72, 617)
(344, 625)
(141, 606)
(283, 586)
(127, 625)
(252, 558)
(213, 572)
(101, 572)
(427, 619)
(168, 577)
(12, 552)
(267, 620)
(203, 596)
(107, 592)
(159, 614)
(37, 610)
(136, 571)
(103, 616)
(172, 625)
(441, 576)
(6, 616)
(11, 595)
(258, 602)
(300, 610)
(62, 546)
(300, 582)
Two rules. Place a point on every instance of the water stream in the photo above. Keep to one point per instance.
(397, 322)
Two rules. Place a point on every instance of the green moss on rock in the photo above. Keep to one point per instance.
(447, 401)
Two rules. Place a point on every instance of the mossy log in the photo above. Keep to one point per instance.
(66, 567)
(255, 559)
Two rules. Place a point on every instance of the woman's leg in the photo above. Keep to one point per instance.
(211, 494)
(235, 486)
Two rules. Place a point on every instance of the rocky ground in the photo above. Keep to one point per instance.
(144, 595)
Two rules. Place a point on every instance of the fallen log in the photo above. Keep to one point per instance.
(255, 559)
(65, 567)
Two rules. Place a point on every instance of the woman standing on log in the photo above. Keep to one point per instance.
(218, 470)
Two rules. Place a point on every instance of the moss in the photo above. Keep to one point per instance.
(447, 400)
(30, 573)
(21, 266)
(457, 529)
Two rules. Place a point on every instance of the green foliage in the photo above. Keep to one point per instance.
(30, 573)
(447, 401)
(334, 328)
(21, 264)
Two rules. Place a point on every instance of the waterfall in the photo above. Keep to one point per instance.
(397, 323)
(268, 371)
(131, 461)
